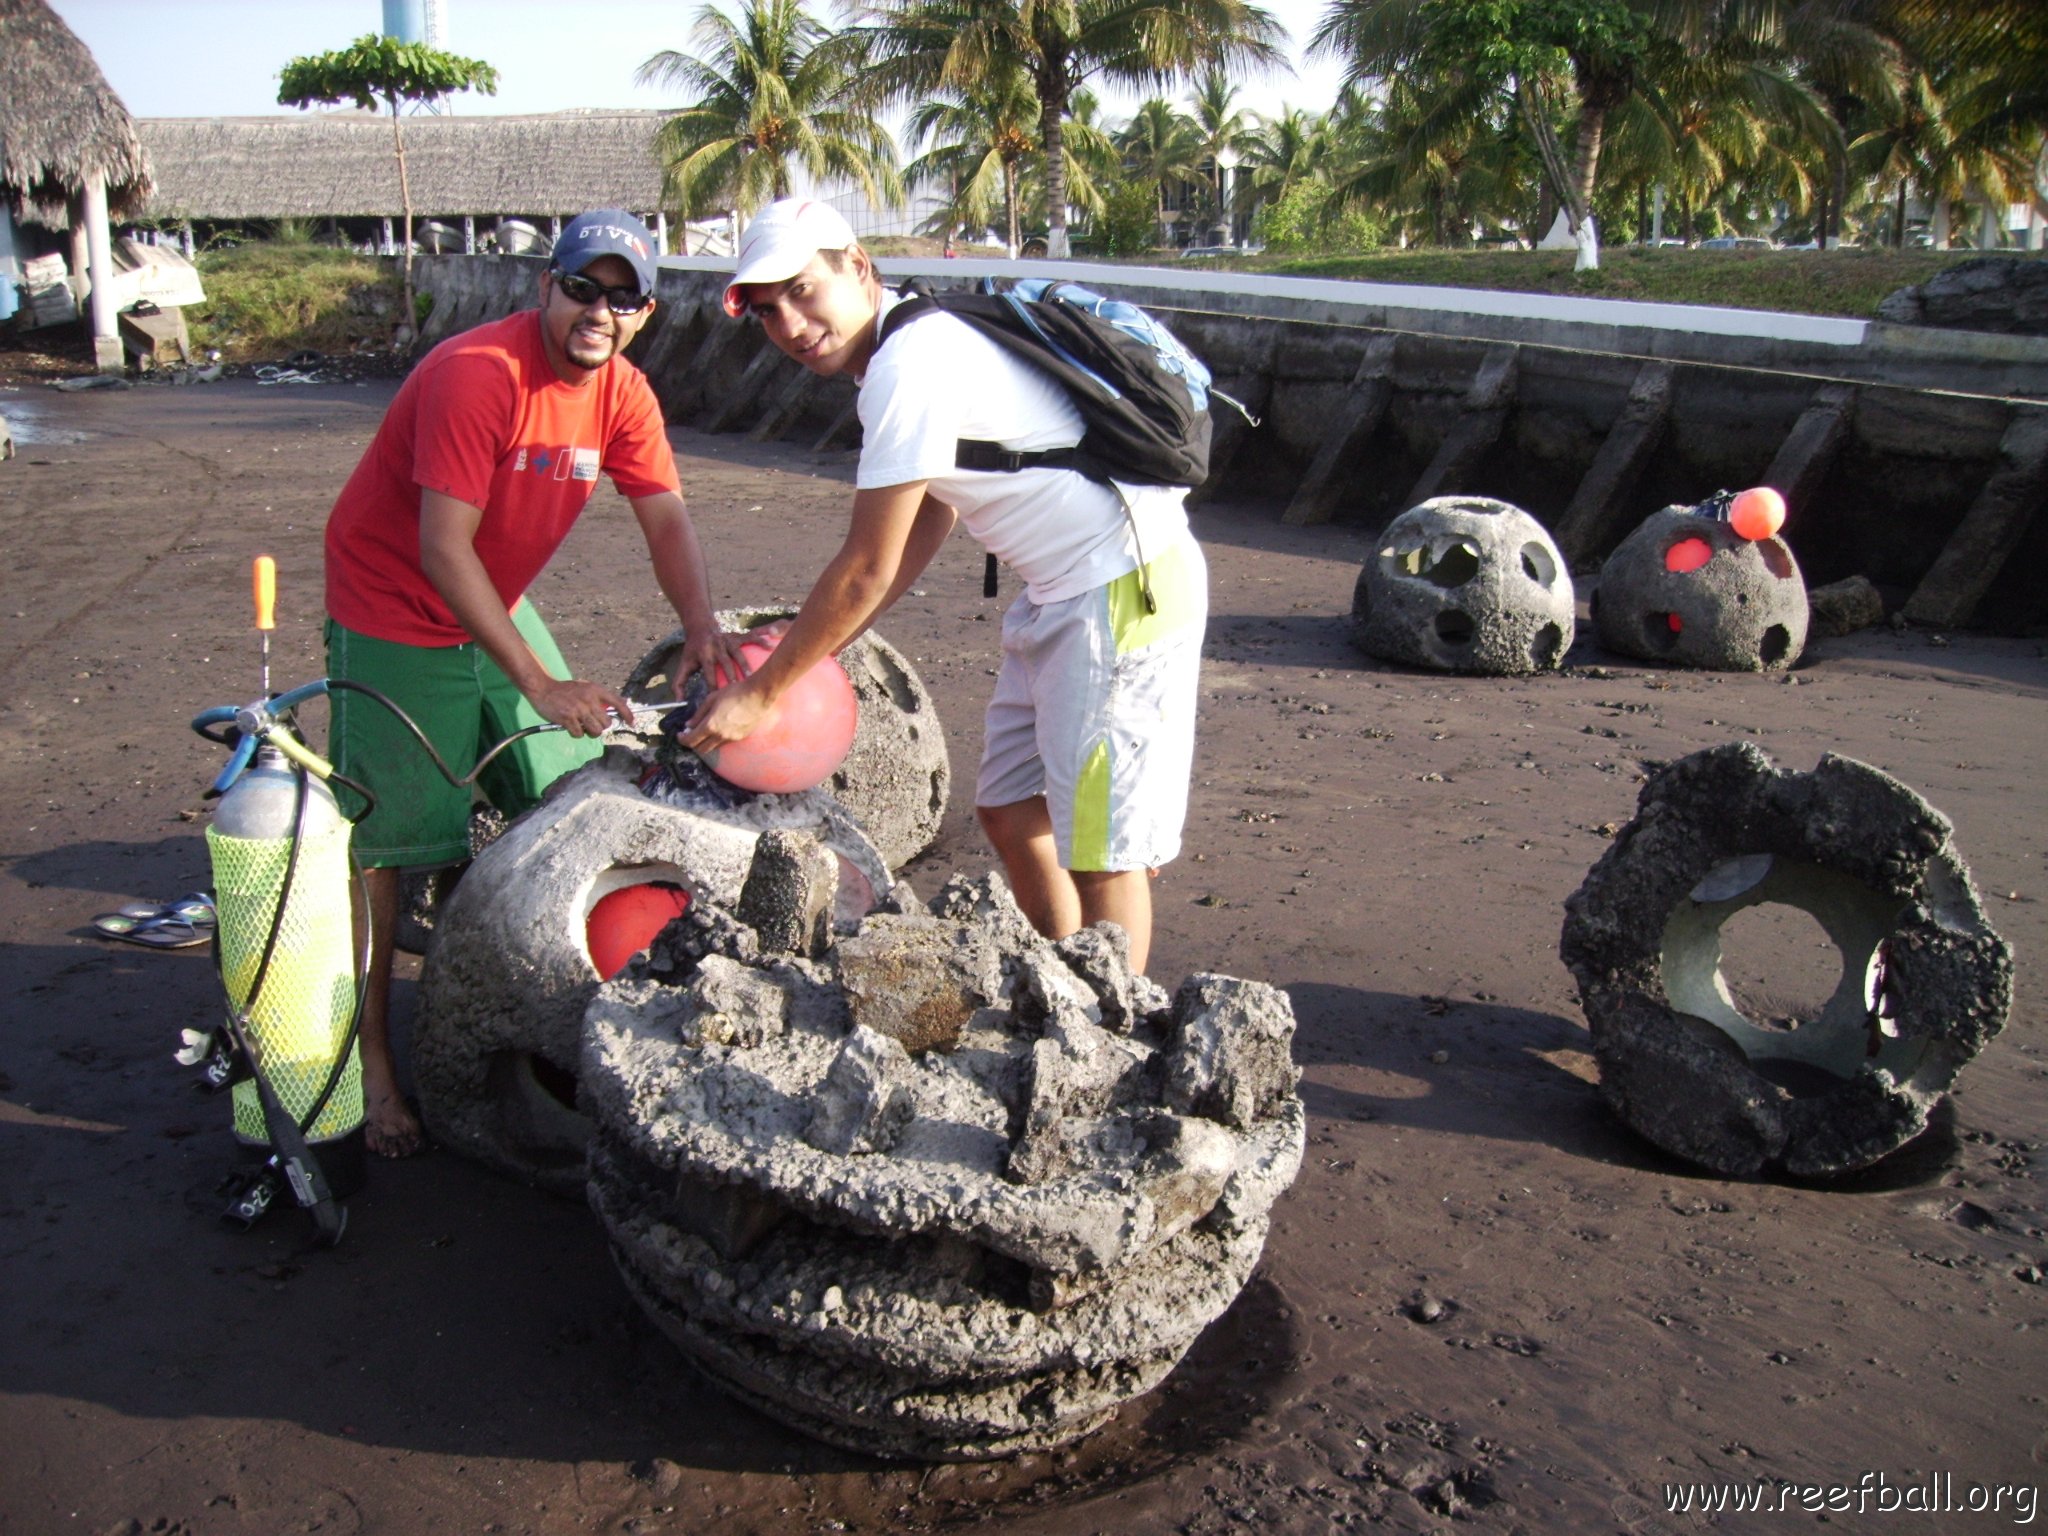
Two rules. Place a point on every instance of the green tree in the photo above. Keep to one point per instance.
(770, 92)
(917, 48)
(378, 71)
(978, 142)
(1224, 136)
(1158, 148)
(1294, 147)
(1590, 51)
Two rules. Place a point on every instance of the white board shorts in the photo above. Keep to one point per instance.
(1094, 708)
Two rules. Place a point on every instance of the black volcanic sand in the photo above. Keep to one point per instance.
(1485, 1305)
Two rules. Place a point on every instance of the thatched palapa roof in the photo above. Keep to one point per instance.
(60, 121)
(342, 165)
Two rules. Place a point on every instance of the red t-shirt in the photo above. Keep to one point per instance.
(484, 419)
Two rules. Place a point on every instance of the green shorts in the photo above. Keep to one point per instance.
(465, 704)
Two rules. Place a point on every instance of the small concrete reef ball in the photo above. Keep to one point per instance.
(804, 739)
(1757, 513)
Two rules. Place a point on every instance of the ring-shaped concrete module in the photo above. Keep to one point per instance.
(1924, 983)
(1691, 591)
(949, 1192)
(1465, 584)
(506, 980)
(897, 776)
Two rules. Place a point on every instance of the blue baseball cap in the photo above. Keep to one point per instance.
(607, 232)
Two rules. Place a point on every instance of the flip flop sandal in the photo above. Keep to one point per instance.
(196, 909)
(151, 932)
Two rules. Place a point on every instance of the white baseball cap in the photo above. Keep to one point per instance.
(780, 243)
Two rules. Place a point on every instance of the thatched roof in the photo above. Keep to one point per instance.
(342, 164)
(59, 119)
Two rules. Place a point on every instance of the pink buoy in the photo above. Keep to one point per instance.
(805, 737)
(1757, 513)
(627, 920)
(1687, 555)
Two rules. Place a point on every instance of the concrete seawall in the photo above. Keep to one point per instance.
(1915, 457)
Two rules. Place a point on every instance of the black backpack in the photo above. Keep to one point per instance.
(1142, 396)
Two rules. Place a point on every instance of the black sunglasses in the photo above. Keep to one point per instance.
(582, 290)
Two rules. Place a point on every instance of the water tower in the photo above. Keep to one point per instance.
(418, 21)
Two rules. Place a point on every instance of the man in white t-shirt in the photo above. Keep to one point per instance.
(1090, 733)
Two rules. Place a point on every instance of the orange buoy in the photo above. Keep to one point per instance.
(1688, 555)
(1757, 513)
(805, 737)
(627, 920)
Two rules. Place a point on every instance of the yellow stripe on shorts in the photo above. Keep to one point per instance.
(1091, 811)
(1172, 590)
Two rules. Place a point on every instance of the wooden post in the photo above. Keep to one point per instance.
(1372, 389)
(1481, 416)
(1991, 530)
(106, 335)
(1599, 506)
(469, 234)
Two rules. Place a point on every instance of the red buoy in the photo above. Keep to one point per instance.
(1688, 555)
(1757, 513)
(805, 737)
(627, 920)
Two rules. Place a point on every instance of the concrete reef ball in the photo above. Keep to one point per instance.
(1741, 608)
(896, 778)
(951, 1192)
(1924, 984)
(1465, 584)
(504, 985)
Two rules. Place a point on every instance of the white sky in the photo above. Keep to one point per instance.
(220, 58)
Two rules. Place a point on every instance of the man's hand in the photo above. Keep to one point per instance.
(730, 714)
(580, 708)
(716, 654)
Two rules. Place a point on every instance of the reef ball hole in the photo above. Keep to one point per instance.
(1537, 564)
(1687, 555)
(1775, 645)
(1778, 965)
(1547, 649)
(1454, 627)
(1777, 559)
(1454, 564)
(1661, 630)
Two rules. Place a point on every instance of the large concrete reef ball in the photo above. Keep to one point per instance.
(1465, 584)
(504, 985)
(1691, 591)
(1925, 982)
(896, 778)
(950, 1192)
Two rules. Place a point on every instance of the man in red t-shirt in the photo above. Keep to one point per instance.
(486, 458)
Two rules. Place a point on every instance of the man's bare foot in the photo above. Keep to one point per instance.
(390, 1128)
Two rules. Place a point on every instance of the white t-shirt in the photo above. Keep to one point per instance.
(938, 380)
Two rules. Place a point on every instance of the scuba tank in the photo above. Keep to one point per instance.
(278, 834)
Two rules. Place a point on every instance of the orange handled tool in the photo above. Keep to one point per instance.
(264, 579)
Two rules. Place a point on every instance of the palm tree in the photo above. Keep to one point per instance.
(979, 141)
(1293, 147)
(1589, 52)
(917, 48)
(1224, 135)
(1409, 160)
(1158, 146)
(769, 96)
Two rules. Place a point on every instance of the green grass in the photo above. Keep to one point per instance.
(266, 300)
(1849, 283)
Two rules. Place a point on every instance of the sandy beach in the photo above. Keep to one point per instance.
(1486, 1304)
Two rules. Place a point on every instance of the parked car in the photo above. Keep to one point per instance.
(1735, 243)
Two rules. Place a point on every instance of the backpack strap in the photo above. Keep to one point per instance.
(917, 300)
